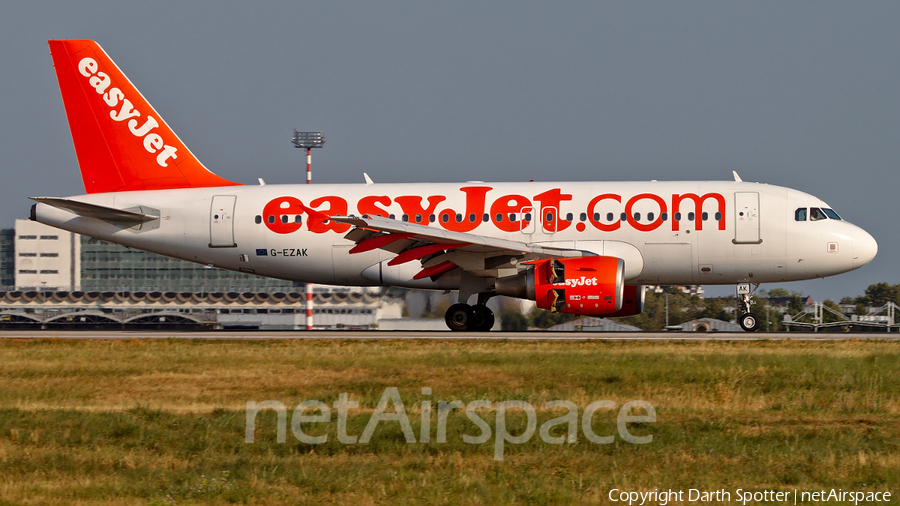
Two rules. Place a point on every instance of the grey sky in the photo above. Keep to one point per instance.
(801, 94)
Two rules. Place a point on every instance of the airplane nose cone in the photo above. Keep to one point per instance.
(864, 249)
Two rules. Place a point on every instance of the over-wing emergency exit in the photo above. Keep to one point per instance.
(575, 247)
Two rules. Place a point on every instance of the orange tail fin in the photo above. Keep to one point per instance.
(121, 142)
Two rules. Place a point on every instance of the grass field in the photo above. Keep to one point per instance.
(162, 422)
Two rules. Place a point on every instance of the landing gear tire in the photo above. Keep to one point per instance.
(463, 317)
(459, 317)
(483, 319)
(749, 322)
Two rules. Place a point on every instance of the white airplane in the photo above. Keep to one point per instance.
(574, 247)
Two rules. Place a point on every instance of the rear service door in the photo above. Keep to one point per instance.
(221, 222)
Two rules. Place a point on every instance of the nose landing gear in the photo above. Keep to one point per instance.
(748, 321)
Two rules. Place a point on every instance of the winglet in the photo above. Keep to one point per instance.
(368, 179)
(121, 142)
(737, 179)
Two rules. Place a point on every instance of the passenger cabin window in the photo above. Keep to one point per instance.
(800, 214)
(816, 214)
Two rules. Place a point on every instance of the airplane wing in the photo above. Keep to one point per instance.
(441, 251)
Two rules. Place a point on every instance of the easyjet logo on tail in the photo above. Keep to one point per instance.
(122, 110)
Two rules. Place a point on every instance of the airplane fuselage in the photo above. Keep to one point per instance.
(670, 233)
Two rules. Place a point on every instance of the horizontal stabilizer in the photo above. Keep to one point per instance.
(94, 211)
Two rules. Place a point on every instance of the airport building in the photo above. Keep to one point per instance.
(43, 258)
(106, 266)
(192, 310)
(56, 279)
(8, 257)
(46, 258)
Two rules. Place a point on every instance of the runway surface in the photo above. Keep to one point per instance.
(431, 335)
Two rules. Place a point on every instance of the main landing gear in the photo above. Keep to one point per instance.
(748, 321)
(463, 317)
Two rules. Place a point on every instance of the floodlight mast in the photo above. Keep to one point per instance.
(308, 140)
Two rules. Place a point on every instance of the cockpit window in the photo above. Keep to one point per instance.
(800, 214)
(816, 214)
(831, 214)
